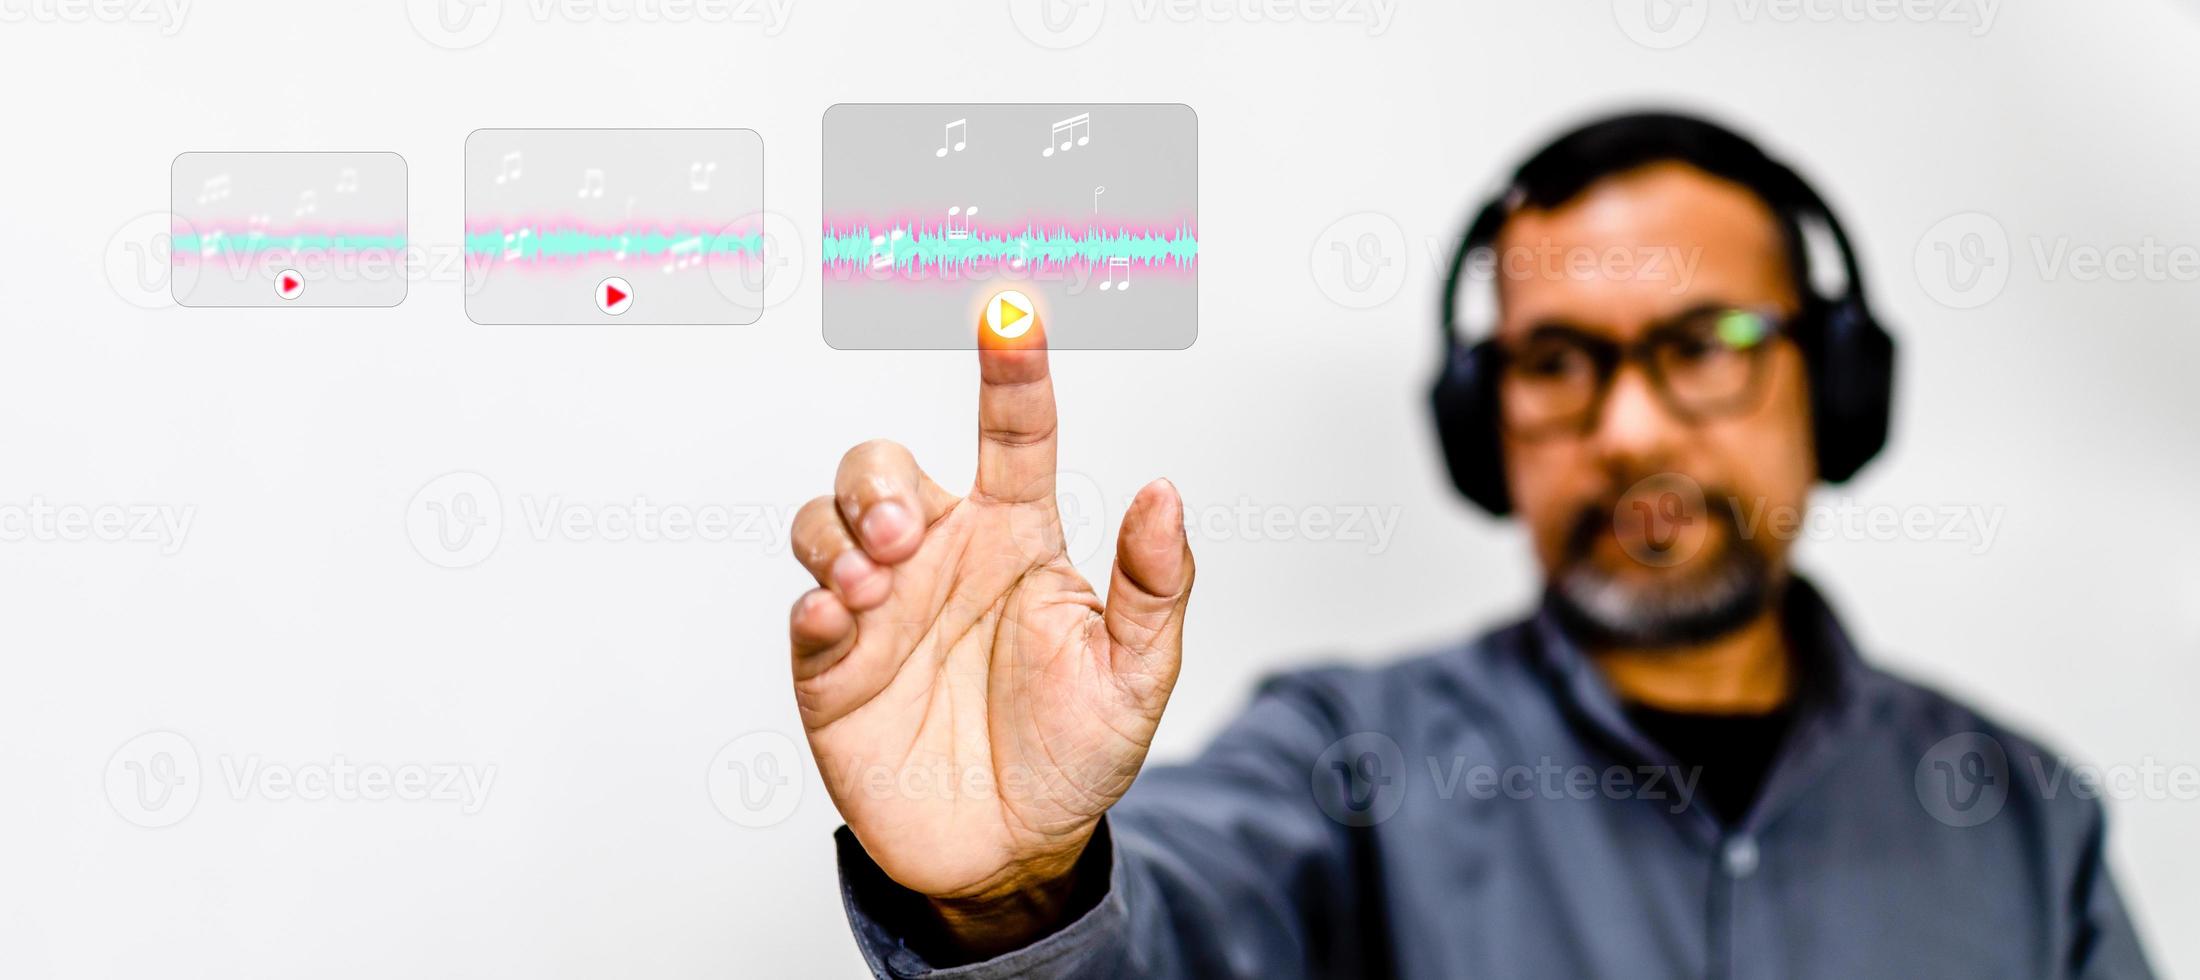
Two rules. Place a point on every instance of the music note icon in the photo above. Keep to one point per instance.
(1114, 264)
(959, 230)
(591, 183)
(508, 168)
(309, 202)
(950, 141)
(347, 181)
(684, 253)
(882, 249)
(216, 188)
(699, 175)
(516, 242)
(626, 238)
(1072, 132)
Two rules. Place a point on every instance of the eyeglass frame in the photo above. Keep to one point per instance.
(1611, 356)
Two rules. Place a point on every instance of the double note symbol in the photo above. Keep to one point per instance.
(1118, 264)
(958, 222)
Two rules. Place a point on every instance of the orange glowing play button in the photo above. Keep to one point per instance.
(1008, 314)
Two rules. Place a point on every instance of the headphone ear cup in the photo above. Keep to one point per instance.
(1852, 390)
(1464, 400)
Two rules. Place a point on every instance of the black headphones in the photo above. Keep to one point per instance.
(1850, 357)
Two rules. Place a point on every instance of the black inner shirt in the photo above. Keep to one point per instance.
(1728, 754)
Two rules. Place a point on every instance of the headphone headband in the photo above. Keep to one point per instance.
(1848, 356)
(1791, 199)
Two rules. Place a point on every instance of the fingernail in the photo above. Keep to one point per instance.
(886, 524)
(851, 570)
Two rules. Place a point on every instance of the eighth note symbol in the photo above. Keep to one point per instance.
(591, 183)
(948, 139)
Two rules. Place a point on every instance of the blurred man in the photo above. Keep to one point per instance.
(1677, 766)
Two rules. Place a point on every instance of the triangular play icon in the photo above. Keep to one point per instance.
(1010, 314)
(613, 296)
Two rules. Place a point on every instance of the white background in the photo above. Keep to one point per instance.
(298, 622)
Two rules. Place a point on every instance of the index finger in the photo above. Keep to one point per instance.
(1016, 424)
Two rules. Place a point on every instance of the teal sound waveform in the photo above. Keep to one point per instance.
(527, 243)
(907, 249)
(221, 243)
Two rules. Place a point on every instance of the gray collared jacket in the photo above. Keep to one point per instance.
(1488, 811)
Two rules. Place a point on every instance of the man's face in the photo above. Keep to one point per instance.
(1637, 513)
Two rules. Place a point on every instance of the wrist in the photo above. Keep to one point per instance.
(1032, 900)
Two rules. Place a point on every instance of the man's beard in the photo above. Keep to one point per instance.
(1725, 589)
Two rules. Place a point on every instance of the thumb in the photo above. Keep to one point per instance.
(1152, 581)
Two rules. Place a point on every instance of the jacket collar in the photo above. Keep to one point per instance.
(1832, 695)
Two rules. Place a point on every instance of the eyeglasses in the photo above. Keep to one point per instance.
(1703, 364)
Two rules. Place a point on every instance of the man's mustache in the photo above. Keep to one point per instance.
(1596, 518)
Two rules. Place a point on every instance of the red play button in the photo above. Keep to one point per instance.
(614, 295)
(288, 284)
